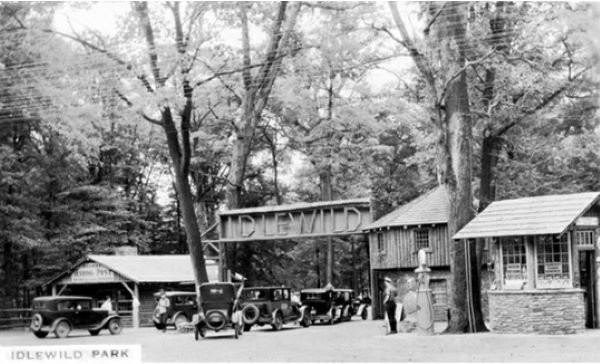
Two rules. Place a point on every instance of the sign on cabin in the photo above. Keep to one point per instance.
(309, 220)
(91, 273)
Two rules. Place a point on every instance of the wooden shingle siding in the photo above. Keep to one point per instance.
(399, 248)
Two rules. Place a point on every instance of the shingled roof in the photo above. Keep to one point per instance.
(430, 208)
(540, 215)
(149, 268)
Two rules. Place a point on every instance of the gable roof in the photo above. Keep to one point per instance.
(148, 268)
(539, 215)
(431, 208)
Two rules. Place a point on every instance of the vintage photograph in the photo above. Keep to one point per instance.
(299, 181)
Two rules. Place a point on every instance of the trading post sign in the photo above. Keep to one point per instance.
(343, 217)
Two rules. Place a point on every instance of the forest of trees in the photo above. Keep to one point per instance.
(139, 135)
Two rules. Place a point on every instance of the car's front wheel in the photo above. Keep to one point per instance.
(278, 322)
(114, 326)
(40, 334)
(62, 330)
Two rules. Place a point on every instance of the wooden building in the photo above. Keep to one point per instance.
(546, 257)
(395, 239)
(128, 277)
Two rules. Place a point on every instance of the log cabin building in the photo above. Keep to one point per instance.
(395, 239)
(546, 253)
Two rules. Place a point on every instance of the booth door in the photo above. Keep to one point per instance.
(586, 267)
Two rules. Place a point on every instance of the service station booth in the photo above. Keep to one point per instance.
(546, 255)
(130, 281)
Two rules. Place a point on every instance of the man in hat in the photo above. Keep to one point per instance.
(389, 300)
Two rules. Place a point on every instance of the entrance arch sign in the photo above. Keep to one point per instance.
(302, 220)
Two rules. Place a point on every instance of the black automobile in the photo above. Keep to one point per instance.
(271, 306)
(181, 309)
(61, 314)
(219, 310)
(329, 305)
(346, 303)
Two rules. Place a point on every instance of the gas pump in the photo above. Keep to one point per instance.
(424, 300)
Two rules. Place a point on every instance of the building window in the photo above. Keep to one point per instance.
(380, 244)
(439, 292)
(584, 238)
(553, 263)
(514, 262)
(421, 239)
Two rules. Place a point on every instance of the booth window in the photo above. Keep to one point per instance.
(380, 247)
(421, 239)
(553, 263)
(514, 262)
(584, 238)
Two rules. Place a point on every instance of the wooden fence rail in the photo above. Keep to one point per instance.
(14, 318)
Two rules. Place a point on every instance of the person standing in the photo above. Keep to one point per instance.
(389, 300)
(162, 307)
(107, 304)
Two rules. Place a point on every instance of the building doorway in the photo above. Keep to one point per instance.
(588, 283)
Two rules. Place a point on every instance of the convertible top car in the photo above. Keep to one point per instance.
(61, 314)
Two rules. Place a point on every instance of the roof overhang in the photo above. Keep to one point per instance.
(542, 215)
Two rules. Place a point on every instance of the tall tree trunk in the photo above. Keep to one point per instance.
(459, 167)
(185, 198)
(256, 93)
(326, 195)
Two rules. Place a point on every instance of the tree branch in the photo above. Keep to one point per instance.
(460, 71)
(417, 56)
(141, 113)
(433, 19)
(146, 26)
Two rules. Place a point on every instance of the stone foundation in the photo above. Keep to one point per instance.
(537, 311)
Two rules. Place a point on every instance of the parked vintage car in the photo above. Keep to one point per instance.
(182, 308)
(61, 314)
(219, 310)
(329, 305)
(271, 306)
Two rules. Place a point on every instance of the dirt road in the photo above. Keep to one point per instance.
(362, 341)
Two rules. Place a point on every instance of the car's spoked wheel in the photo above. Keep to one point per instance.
(36, 322)
(62, 329)
(181, 321)
(114, 326)
(278, 323)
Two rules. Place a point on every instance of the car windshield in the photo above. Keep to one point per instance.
(314, 296)
(255, 294)
(216, 293)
